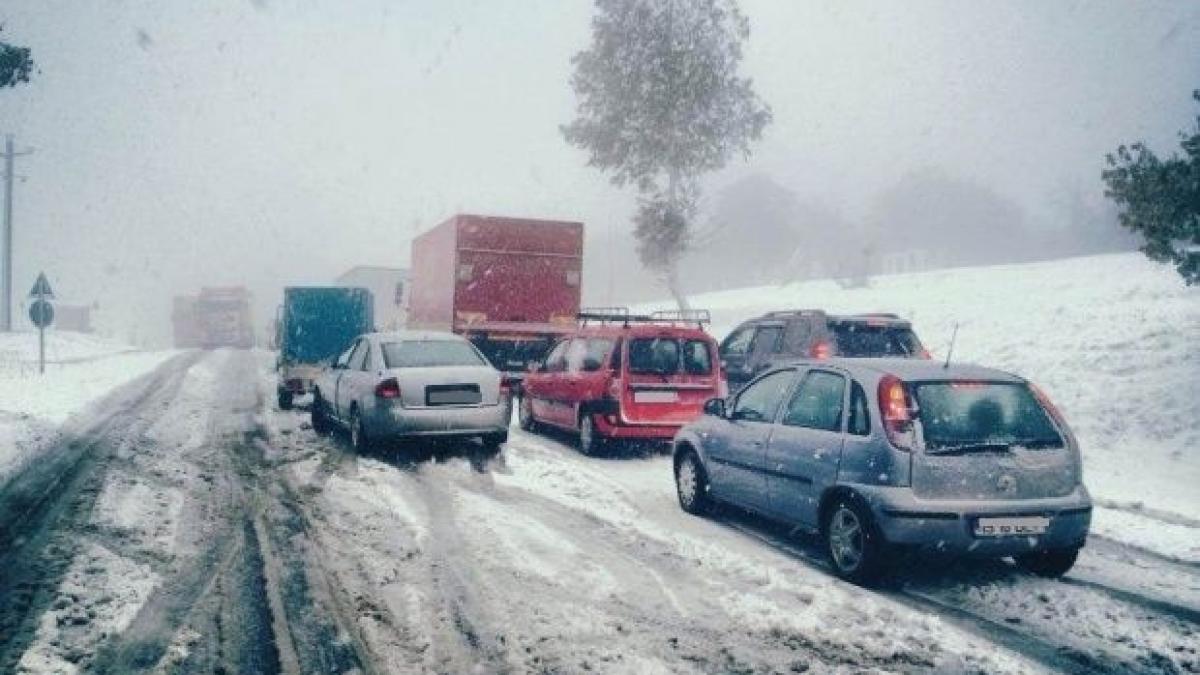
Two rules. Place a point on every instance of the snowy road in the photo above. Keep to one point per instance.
(191, 527)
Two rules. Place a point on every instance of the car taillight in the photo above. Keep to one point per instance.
(389, 388)
(895, 411)
(821, 350)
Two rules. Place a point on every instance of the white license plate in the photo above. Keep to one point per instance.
(655, 397)
(1011, 527)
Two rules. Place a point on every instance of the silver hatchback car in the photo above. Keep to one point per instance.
(412, 384)
(876, 454)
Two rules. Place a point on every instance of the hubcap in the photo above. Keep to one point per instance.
(845, 539)
(686, 480)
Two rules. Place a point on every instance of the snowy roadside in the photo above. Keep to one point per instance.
(1111, 338)
(80, 370)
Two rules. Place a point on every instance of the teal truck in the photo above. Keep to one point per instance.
(315, 324)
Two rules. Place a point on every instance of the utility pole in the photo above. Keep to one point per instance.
(6, 287)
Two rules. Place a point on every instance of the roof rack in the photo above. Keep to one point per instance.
(793, 312)
(621, 315)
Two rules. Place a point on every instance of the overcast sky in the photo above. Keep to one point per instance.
(272, 142)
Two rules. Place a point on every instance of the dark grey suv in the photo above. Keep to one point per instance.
(880, 454)
(779, 337)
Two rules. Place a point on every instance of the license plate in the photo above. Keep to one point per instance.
(1011, 527)
(655, 397)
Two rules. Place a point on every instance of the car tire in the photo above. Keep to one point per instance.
(525, 415)
(492, 442)
(1050, 563)
(691, 485)
(855, 548)
(320, 421)
(285, 399)
(359, 440)
(590, 442)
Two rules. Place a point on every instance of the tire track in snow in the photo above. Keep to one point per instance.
(56, 494)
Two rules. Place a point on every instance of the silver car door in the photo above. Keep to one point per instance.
(345, 384)
(739, 460)
(806, 447)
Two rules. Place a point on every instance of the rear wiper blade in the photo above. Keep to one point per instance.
(968, 447)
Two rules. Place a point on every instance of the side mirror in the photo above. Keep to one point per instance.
(715, 407)
(592, 364)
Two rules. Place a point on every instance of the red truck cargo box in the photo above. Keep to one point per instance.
(497, 279)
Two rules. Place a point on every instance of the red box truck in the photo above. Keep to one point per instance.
(510, 285)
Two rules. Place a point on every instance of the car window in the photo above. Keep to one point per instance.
(859, 423)
(557, 360)
(858, 339)
(798, 335)
(344, 360)
(759, 401)
(616, 355)
(697, 357)
(576, 352)
(962, 413)
(817, 403)
(597, 352)
(430, 354)
(366, 362)
(766, 339)
(739, 342)
(356, 359)
(654, 355)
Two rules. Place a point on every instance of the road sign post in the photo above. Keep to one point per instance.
(41, 313)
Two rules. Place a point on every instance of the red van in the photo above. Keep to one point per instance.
(623, 376)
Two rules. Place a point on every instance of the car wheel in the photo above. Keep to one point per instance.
(358, 434)
(1051, 563)
(525, 414)
(492, 442)
(590, 442)
(285, 399)
(691, 484)
(852, 542)
(320, 423)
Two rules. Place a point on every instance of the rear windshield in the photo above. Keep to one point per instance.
(429, 354)
(669, 356)
(856, 339)
(965, 413)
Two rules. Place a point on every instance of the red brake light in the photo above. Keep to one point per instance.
(894, 409)
(389, 388)
(821, 350)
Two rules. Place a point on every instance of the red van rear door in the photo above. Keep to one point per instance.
(667, 378)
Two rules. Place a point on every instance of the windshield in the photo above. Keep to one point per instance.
(970, 413)
(429, 354)
(856, 339)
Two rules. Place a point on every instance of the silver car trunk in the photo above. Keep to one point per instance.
(989, 441)
(447, 386)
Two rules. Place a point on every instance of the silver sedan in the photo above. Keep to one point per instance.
(388, 386)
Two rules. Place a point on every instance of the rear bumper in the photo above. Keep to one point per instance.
(398, 422)
(656, 432)
(949, 525)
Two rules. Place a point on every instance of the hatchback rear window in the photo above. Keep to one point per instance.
(967, 413)
(857, 339)
(668, 356)
(430, 354)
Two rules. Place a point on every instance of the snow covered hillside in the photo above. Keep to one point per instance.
(1113, 339)
(79, 370)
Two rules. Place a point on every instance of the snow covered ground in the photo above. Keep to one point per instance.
(1113, 339)
(80, 369)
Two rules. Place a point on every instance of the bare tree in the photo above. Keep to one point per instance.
(660, 103)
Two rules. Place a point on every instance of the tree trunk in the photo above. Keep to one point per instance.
(674, 286)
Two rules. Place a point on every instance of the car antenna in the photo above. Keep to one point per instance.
(950, 351)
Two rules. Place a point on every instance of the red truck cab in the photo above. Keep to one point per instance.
(620, 376)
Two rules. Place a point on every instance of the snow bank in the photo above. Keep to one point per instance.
(1113, 339)
(80, 369)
